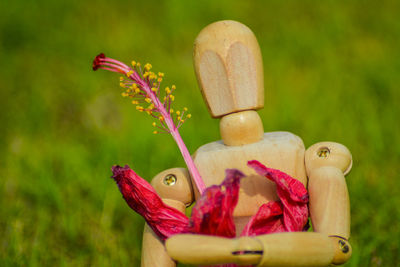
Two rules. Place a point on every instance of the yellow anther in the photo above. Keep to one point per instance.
(155, 132)
(161, 74)
(121, 79)
(154, 89)
(185, 109)
(148, 100)
(165, 98)
(148, 66)
(133, 63)
(171, 110)
(188, 116)
(154, 124)
(151, 106)
(138, 64)
(167, 90)
(178, 113)
(159, 79)
(137, 90)
(134, 86)
(129, 73)
(161, 118)
(172, 97)
(179, 118)
(173, 87)
(135, 102)
(122, 85)
(124, 94)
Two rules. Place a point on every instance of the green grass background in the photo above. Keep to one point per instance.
(332, 72)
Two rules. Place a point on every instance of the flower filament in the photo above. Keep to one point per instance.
(142, 86)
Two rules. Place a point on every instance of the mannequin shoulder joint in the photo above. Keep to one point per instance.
(328, 154)
(174, 184)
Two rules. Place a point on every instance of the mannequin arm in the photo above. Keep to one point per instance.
(327, 163)
(282, 249)
(175, 189)
(295, 249)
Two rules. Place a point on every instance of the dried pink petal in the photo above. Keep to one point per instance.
(142, 198)
(268, 219)
(213, 212)
(292, 194)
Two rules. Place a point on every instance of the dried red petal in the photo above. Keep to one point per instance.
(268, 219)
(142, 198)
(213, 212)
(292, 194)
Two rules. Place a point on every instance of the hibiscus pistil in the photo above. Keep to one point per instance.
(142, 86)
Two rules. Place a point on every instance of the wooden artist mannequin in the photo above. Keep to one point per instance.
(229, 70)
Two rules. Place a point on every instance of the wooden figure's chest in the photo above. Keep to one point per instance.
(278, 150)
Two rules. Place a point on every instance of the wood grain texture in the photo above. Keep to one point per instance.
(180, 189)
(336, 155)
(282, 249)
(329, 202)
(241, 128)
(279, 150)
(153, 249)
(342, 248)
(329, 198)
(228, 66)
(296, 249)
(206, 250)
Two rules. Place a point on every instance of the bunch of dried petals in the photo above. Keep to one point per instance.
(213, 211)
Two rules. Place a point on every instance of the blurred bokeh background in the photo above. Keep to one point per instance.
(332, 72)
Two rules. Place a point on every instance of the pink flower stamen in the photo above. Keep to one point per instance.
(143, 87)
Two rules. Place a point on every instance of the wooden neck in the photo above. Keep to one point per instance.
(241, 128)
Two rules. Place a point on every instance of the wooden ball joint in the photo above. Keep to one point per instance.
(228, 67)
